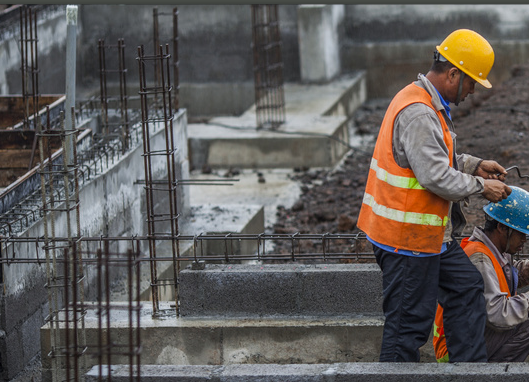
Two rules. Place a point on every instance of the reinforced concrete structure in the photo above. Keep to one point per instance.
(109, 263)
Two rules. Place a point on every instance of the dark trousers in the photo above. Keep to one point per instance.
(412, 286)
(508, 345)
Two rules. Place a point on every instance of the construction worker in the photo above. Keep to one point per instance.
(411, 210)
(490, 249)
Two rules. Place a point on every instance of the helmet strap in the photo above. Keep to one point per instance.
(509, 234)
(460, 89)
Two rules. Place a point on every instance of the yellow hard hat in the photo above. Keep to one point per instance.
(469, 52)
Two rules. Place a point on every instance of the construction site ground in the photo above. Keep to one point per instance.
(490, 124)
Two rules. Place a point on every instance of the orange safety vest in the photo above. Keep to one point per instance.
(396, 210)
(439, 339)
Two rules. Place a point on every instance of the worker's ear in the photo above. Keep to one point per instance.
(502, 228)
(453, 74)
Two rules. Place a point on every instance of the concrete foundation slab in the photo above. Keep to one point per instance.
(269, 188)
(278, 314)
(312, 141)
(315, 132)
(167, 340)
(338, 372)
(288, 290)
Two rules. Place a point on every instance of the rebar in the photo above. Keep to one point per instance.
(91, 162)
(72, 287)
(165, 222)
(267, 66)
(30, 72)
(316, 247)
(174, 55)
(122, 128)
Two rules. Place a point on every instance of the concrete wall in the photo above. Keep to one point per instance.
(51, 34)
(393, 42)
(110, 204)
(319, 290)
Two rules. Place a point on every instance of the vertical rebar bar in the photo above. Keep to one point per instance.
(125, 128)
(268, 66)
(148, 175)
(171, 173)
(30, 70)
(49, 232)
(72, 289)
(176, 62)
(156, 44)
(103, 86)
(165, 189)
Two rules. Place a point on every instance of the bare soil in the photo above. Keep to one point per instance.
(490, 124)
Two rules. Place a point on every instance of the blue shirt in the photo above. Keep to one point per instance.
(445, 104)
(404, 251)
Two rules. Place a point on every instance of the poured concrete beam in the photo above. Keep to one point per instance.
(338, 372)
(287, 290)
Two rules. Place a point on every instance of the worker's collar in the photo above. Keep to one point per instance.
(444, 103)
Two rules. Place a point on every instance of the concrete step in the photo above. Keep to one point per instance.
(337, 372)
(285, 290)
(315, 132)
(249, 313)
(167, 340)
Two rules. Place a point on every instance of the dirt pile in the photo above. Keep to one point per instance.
(490, 124)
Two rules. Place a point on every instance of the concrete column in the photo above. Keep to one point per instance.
(71, 44)
(319, 48)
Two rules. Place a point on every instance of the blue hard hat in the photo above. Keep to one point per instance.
(512, 211)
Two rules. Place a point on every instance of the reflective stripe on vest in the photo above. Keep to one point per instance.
(396, 210)
(404, 217)
(395, 180)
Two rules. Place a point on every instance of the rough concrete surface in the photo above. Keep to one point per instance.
(339, 372)
(288, 290)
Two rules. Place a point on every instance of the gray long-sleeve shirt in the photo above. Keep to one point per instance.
(418, 144)
(503, 312)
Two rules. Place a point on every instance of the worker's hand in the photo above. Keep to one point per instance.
(495, 190)
(490, 169)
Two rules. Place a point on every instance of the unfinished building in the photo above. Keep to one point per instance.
(109, 270)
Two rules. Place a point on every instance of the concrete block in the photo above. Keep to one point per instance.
(153, 373)
(337, 372)
(428, 372)
(29, 304)
(171, 345)
(303, 141)
(224, 219)
(341, 289)
(313, 113)
(281, 290)
(291, 373)
(319, 45)
(217, 98)
(167, 340)
(205, 293)
(13, 310)
(29, 334)
(13, 362)
(308, 341)
(351, 98)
